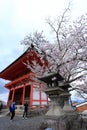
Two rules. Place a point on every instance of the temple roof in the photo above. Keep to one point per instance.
(17, 68)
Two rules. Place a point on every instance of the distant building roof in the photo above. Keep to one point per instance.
(81, 104)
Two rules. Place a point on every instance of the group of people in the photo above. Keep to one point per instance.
(12, 110)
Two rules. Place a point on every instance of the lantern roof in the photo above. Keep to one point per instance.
(53, 77)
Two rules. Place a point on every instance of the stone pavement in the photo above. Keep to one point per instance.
(32, 123)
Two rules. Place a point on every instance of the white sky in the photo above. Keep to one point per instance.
(21, 17)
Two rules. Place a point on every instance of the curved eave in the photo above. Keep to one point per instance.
(15, 69)
(21, 80)
(18, 68)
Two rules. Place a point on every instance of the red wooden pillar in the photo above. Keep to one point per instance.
(47, 98)
(13, 94)
(31, 95)
(40, 98)
(7, 104)
(23, 96)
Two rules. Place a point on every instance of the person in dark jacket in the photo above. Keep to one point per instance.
(25, 110)
(12, 110)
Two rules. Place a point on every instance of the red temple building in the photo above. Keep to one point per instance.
(21, 86)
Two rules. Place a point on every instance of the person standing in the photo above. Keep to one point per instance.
(25, 110)
(12, 110)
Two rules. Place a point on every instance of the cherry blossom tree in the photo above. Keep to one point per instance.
(67, 55)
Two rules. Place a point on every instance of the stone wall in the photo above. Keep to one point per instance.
(66, 122)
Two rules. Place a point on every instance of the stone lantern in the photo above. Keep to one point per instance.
(57, 91)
